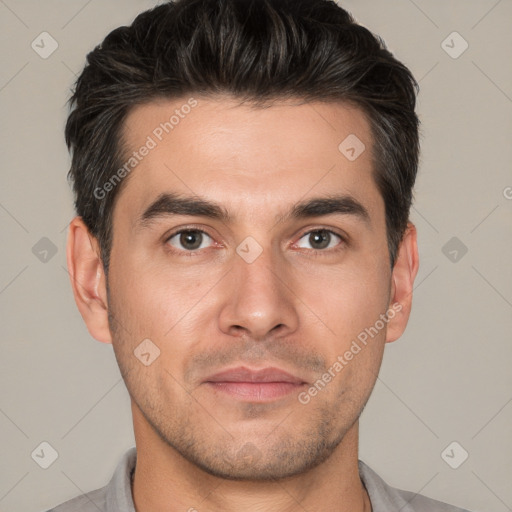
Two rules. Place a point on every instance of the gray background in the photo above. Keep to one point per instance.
(447, 379)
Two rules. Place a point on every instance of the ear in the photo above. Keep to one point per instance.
(402, 282)
(88, 279)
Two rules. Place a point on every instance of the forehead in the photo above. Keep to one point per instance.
(253, 160)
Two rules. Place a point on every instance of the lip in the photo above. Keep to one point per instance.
(262, 385)
(265, 375)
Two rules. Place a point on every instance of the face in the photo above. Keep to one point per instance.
(254, 296)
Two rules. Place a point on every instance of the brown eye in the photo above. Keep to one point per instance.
(320, 239)
(188, 240)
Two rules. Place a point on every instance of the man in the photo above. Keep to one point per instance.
(243, 173)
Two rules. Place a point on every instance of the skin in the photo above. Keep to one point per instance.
(297, 307)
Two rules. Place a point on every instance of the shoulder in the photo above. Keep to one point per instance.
(94, 501)
(115, 496)
(420, 503)
(385, 498)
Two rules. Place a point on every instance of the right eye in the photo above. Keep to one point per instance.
(188, 240)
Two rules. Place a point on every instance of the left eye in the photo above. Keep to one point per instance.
(320, 239)
(190, 240)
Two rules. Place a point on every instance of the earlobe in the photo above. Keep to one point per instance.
(88, 279)
(403, 276)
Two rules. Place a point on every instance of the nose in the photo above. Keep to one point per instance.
(261, 302)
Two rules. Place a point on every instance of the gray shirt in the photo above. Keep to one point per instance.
(116, 496)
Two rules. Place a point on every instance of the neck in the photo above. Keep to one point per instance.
(165, 481)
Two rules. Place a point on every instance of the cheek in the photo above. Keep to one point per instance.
(143, 290)
(349, 300)
(170, 307)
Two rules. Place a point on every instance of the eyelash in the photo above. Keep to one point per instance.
(313, 252)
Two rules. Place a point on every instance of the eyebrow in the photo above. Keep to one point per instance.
(169, 204)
